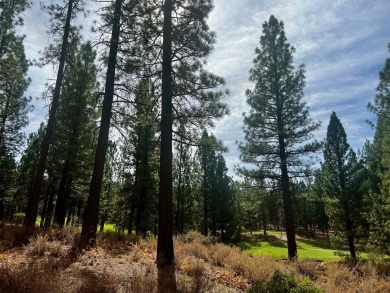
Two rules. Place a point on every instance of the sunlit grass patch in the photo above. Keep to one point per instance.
(276, 246)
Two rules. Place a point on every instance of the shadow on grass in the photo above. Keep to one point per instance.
(324, 244)
(257, 244)
(277, 243)
(248, 246)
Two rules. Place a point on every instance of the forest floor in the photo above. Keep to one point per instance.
(127, 264)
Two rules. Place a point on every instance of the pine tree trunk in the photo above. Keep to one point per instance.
(32, 206)
(130, 222)
(141, 207)
(351, 240)
(50, 207)
(61, 202)
(91, 213)
(287, 202)
(102, 221)
(43, 213)
(66, 182)
(165, 254)
(2, 126)
(205, 230)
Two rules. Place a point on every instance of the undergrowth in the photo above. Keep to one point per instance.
(46, 264)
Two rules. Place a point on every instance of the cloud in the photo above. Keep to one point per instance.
(342, 43)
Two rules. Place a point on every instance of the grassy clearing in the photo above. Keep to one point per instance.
(275, 245)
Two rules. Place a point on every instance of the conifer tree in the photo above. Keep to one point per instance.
(75, 122)
(278, 126)
(342, 175)
(60, 28)
(184, 193)
(13, 77)
(145, 146)
(378, 160)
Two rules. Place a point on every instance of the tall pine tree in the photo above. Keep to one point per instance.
(278, 125)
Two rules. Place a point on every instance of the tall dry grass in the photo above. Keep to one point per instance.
(202, 265)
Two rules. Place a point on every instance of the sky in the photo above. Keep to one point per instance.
(343, 44)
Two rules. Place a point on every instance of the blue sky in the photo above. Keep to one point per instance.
(343, 44)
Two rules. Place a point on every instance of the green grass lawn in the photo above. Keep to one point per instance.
(316, 249)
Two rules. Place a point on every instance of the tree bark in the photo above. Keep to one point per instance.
(50, 207)
(61, 202)
(287, 205)
(66, 180)
(32, 206)
(351, 240)
(91, 213)
(165, 254)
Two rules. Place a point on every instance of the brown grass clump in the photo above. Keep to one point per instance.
(196, 280)
(219, 252)
(342, 278)
(35, 278)
(256, 269)
(312, 269)
(40, 245)
(190, 248)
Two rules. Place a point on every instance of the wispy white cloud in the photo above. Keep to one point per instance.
(342, 43)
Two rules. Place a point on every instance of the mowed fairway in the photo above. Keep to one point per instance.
(276, 246)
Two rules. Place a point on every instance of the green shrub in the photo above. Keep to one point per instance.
(19, 218)
(285, 283)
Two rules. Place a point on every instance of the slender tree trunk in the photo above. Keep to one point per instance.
(179, 204)
(205, 230)
(287, 204)
(66, 182)
(102, 221)
(79, 206)
(351, 240)
(32, 206)
(165, 254)
(43, 213)
(91, 213)
(61, 202)
(141, 207)
(264, 221)
(2, 126)
(50, 207)
(131, 218)
(69, 218)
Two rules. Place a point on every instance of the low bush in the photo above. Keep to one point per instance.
(19, 218)
(285, 283)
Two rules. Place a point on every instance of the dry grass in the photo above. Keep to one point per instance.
(127, 264)
(342, 278)
(41, 245)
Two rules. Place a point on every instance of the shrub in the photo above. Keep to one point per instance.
(285, 283)
(19, 218)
